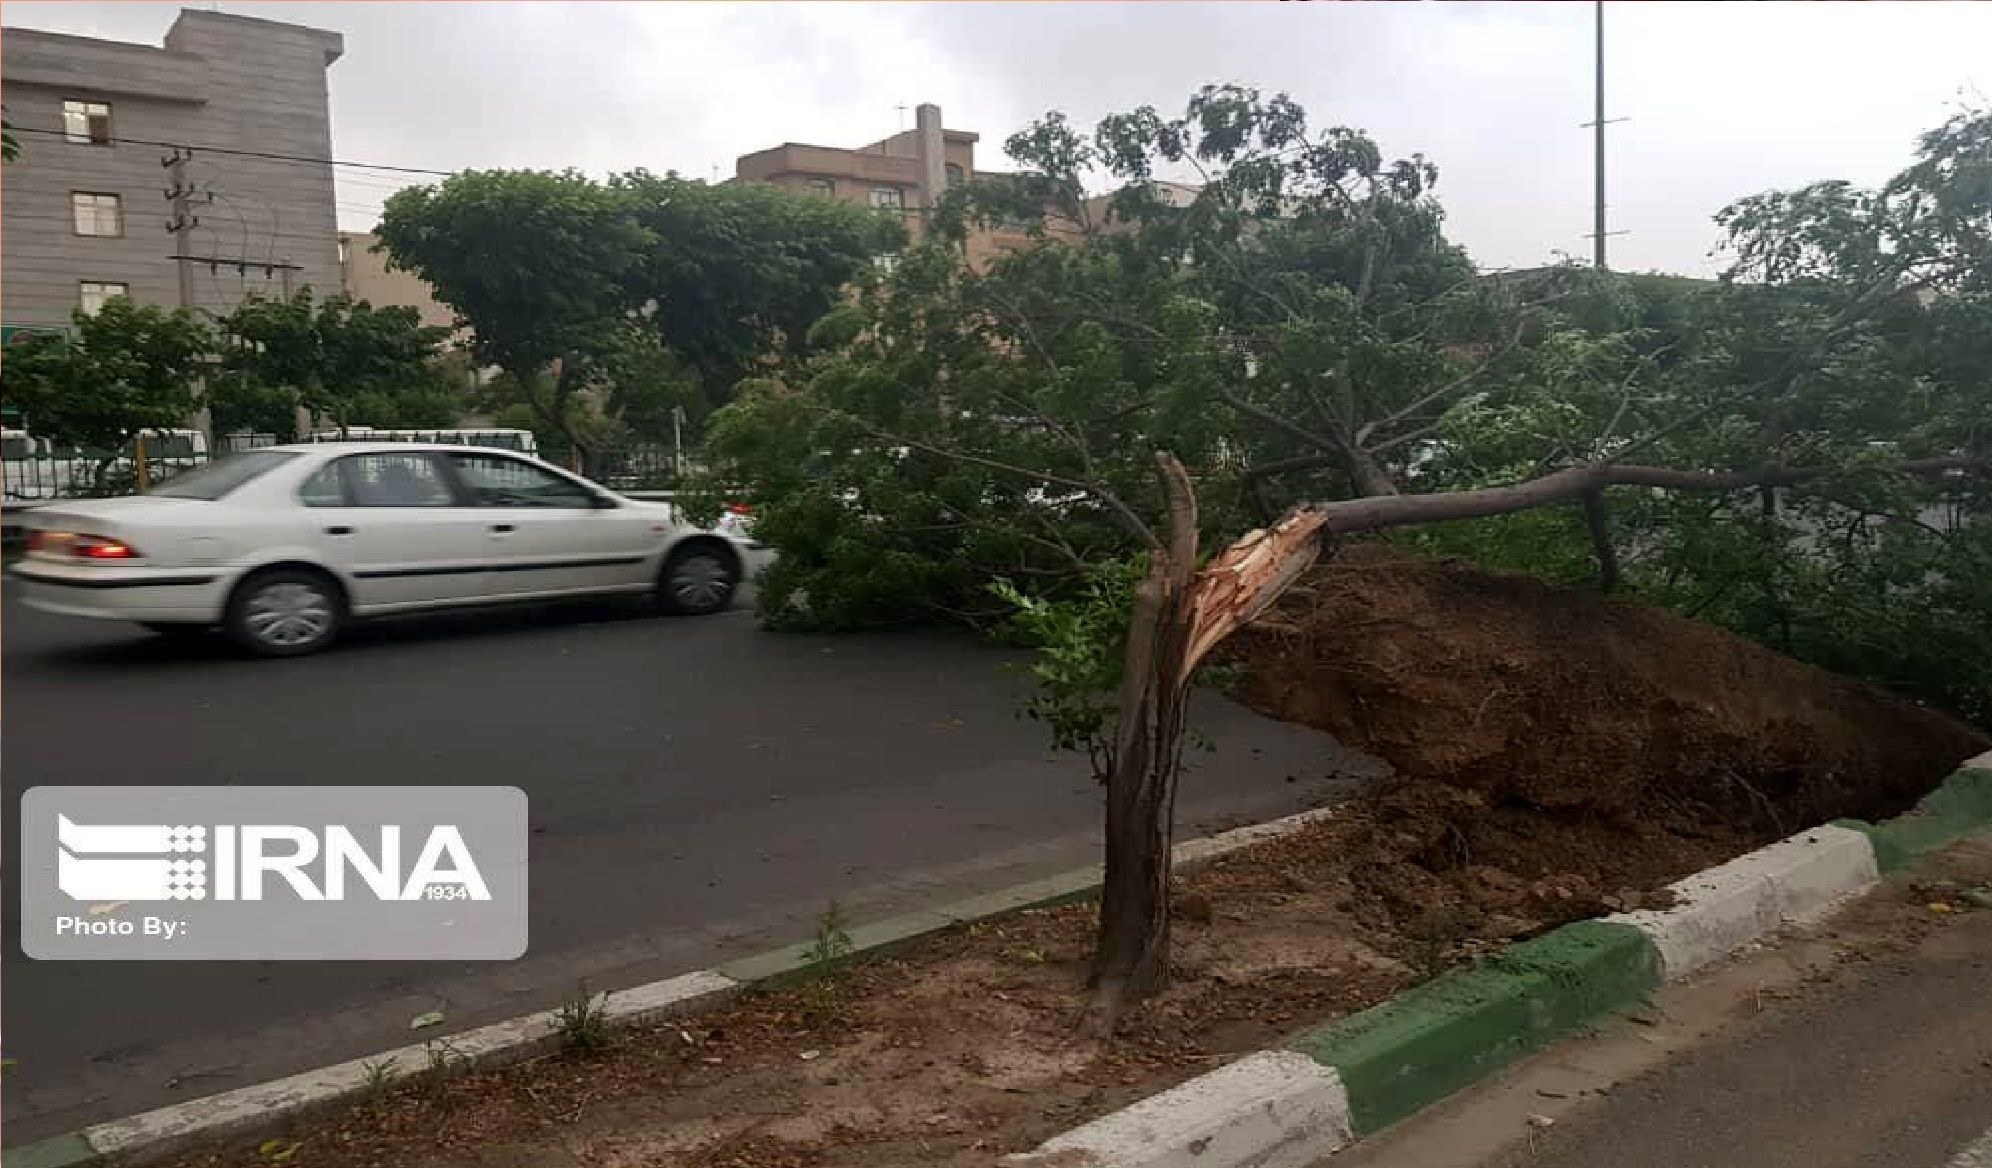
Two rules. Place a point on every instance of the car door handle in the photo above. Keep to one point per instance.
(338, 531)
(502, 528)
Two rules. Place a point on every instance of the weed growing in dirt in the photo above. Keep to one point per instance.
(378, 1075)
(833, 940)
(583, 1024)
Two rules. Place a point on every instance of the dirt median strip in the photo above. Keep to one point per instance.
(263, 1108)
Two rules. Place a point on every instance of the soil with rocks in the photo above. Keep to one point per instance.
(1558, 755)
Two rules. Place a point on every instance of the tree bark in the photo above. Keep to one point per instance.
(1131, 958)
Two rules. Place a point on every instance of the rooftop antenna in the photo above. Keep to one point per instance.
(901, 107)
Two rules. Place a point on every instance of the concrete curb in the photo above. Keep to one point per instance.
(1402, 1055)
(265, 1108)
(1274, 1109)
(1724, 908)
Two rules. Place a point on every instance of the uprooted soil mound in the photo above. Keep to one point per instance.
(1555, 744)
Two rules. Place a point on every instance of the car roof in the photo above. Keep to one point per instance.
(362, 446)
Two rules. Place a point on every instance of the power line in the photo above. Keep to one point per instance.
(246, 153)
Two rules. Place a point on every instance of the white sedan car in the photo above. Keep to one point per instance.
(282, 545)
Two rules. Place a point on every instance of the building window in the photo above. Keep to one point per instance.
(96, 214)
(956, 176)
(889, 198)
(820, 186)
(91, 294)
(87, 122)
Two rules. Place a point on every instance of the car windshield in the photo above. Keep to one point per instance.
(220, 477)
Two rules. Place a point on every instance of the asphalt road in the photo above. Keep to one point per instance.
(1893, 1071)
(699, 788)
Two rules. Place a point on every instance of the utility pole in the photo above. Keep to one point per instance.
(1598, 130)
(183, 220)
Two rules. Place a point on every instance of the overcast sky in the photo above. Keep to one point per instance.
(1723, 99)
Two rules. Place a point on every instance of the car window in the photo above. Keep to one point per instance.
(323, 488)
(396, 480)
(221, 476)
(496, 481)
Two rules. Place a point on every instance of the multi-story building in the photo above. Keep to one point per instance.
(86, 211)
(906, 174)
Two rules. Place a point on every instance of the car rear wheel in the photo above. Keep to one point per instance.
(697, 580)
(287, 612)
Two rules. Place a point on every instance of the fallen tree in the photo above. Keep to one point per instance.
(1300, 341)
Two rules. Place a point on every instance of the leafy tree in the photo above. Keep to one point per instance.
(608, 304)
(1299, 339)
(739, 272)
(340, 358)
(129, 368)
(536, 266)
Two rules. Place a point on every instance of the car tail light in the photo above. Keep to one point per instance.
(97, 547)
(37, 540)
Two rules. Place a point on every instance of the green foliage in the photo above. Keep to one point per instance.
(130, 367)
(379, 1076)
(583, 1022)
(832, 942)
(344, 360)
(1080, 643)
(610, 305)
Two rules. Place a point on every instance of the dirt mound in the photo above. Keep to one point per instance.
(1545, 733)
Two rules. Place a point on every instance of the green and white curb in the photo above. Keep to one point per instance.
(1271, 1110)
(267, 1108)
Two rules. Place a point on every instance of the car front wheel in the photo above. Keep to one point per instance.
(697, 580)
(284, 613)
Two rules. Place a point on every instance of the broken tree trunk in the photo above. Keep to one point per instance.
(1180, 615)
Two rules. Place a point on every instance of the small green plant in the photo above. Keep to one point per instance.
(583, 1024)
(379, 1075)
(278, 1151)
(833, 940)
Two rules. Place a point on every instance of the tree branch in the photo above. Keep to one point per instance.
(1563, 486)
(1275, 421)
